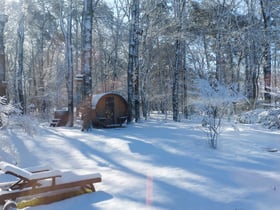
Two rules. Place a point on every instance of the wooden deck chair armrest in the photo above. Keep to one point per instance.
(46, 175)
(36, 181)
(53, 178)
(38, 169)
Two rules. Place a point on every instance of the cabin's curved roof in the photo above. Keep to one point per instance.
(95, 98)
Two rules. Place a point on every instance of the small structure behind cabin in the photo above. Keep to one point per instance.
(109, 110)
(60, 118)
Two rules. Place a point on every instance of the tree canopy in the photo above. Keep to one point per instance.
(177, 42)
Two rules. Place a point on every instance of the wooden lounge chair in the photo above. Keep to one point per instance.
(41, 180)
(27, 178)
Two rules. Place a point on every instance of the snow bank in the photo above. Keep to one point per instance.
(268, 118)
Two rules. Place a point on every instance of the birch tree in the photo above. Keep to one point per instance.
(132, 72)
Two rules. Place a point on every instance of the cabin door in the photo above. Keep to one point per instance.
(110, 110)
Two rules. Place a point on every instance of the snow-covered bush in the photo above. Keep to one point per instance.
(26, 123)
(11, 117)
(214, 101)
(269, 118)
(7, 151)
(6, 109)
(249, 117)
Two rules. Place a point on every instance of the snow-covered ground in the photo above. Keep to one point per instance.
(161, 164)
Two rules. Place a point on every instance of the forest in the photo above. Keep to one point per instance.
(56, 53)
(189, 74)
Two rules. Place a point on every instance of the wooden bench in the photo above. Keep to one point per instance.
(54, 123)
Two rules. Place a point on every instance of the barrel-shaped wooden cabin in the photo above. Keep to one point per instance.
(109, 110)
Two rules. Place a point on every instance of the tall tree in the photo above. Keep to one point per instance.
(266, 14)
(21, 98)
(137, 32)
(133, 63)
(87, 20)
(252, 53)
(3, 20)
(179, 9)
(87, 47)
(67, 32)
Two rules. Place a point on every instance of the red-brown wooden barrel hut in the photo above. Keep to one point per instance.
(109, 110)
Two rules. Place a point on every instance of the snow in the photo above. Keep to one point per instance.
(161, 164)
(6, 167)
(269, 118)
(96, 98)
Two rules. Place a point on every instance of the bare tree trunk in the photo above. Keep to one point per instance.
(69, 64)
(185, 84)
(252, 56)
(251, 71)
(20, 64)
(42, 103)
(266, 13)
(70, 74)
(175, 87)
(145, 66)
(87, 47)
(179, 10)
(219, 75)
(3, 20)
(87, 62)
(131, 60)
(136, 57)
